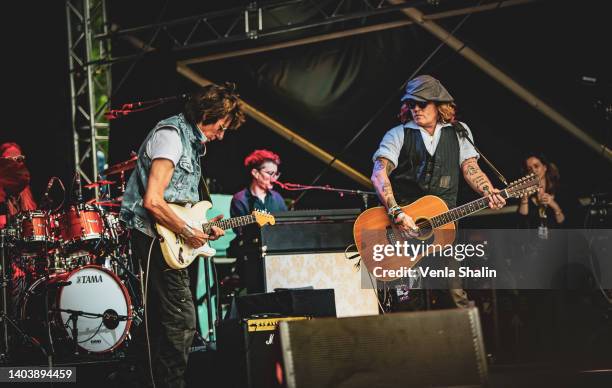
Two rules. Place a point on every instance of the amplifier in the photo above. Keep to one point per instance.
(250, 348)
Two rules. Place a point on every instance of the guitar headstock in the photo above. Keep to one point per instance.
(262, 217)
(524, 186)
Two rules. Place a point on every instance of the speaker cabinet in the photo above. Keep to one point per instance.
(441, 348)
(324, 270)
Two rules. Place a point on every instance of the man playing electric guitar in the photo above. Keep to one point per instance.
(168, 171)
(425, 155)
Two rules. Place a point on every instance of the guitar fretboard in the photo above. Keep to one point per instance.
(232, 222)
(463, 210)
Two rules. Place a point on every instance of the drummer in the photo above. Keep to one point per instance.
(13, 203)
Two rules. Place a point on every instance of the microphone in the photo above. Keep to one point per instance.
(111, 319)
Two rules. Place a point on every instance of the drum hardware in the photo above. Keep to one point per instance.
(6, 320)
(110, 320)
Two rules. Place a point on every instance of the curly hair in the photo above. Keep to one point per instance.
(447, 112)
(213, 103)
(551, 176)
(258, 157)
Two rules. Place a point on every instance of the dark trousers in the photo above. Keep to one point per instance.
(170, 315)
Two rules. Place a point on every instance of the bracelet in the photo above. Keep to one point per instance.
(393, 212)
(397, 219)
(559, 213)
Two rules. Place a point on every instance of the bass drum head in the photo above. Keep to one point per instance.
(96, 290)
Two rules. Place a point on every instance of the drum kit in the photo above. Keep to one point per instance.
(69, 283)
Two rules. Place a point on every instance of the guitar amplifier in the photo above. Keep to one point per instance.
(297, 232)
(252, 348)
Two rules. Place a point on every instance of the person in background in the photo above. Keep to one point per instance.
(262, 167)
(545, 208)
(14, 203)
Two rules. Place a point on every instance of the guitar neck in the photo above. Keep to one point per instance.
(234, 222)
(464, 210)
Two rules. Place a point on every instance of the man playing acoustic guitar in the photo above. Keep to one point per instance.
(425, 155)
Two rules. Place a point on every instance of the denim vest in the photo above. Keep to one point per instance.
(418, 173)
(183, 186)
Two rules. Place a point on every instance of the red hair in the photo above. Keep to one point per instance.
(259, 157)
(6, 146)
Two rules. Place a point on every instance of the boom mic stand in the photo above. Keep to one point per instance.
(298, 187)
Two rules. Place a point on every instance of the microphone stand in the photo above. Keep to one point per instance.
(298, 187)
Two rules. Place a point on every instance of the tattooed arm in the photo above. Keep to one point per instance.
(474, 176)
(480, 183)
(380, 179)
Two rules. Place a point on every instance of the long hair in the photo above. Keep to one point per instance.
(551, 176)
(447, 112)
(213, 103)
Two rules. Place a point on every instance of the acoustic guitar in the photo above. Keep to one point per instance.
(373, 228)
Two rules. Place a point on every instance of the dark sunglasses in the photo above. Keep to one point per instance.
(413, 104)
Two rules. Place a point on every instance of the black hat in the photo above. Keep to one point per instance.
(426, 88)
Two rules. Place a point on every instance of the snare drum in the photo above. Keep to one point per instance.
(81, 227)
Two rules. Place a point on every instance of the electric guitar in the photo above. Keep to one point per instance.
(435, 221)
(178, 254)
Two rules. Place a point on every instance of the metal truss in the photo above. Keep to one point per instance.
(266, 19)
(90, 84)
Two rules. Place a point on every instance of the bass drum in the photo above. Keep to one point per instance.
(91, 290)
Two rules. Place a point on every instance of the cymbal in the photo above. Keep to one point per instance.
(109, 203)
(98, 183)
(121, 167)
(14, 176)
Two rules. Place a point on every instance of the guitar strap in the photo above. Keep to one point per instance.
(463, 133)
(203, 190)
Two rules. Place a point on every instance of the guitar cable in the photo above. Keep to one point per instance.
(358, 266)
(146, 310)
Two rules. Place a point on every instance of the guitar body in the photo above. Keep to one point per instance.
(373, 227)
(177, 253)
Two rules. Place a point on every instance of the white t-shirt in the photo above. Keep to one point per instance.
(393, 141)
(165, 144)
